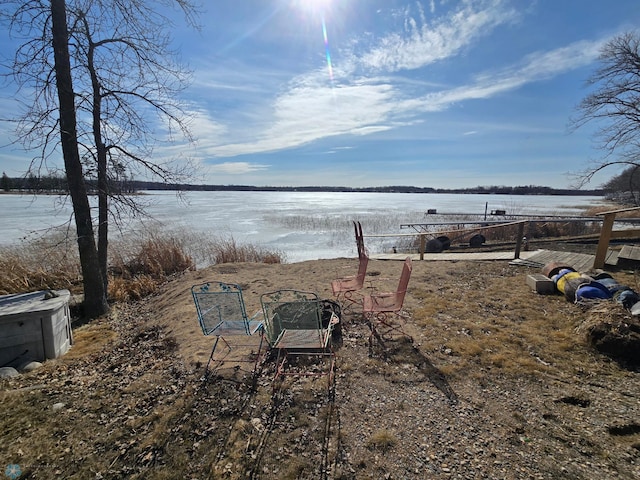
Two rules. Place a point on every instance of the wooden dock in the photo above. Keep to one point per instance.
(581, 262)
(471, 256)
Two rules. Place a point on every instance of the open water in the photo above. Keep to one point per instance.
(302, 225)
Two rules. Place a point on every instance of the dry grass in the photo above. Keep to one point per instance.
(137, 265)
(494, 367)
(491, 323)
(382, 440)
(135, 287)
(611, 207)
(155, 257)
(227, 250)
(48, 263)
(139, 274)
(90, 339)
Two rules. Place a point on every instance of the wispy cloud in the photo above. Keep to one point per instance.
(533, 68)
(542, 65)
(237, 168)
(204, 127)
(308, 112)
(369, 94)
(421, 42)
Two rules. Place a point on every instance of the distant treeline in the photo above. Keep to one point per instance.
(56, 184)
(53, 184)
(521, 190)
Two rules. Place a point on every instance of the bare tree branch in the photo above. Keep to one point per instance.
(127, 83)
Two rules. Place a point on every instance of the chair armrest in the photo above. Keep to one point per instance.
(256, 326)
(333, 321)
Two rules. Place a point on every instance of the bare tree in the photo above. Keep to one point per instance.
(128, 63)
(614, 104)
(95, 299)
(126, 82)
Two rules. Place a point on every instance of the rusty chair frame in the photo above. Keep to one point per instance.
(347, 288)
(383, 310)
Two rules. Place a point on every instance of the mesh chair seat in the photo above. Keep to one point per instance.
(221, 312)
(294, 326)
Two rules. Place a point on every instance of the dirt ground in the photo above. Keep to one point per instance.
(497, 383)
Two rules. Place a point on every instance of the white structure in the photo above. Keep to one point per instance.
(34, 326)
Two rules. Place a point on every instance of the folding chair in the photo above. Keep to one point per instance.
(383, 310)
(221, 312)
(294, 326)
(347, 287)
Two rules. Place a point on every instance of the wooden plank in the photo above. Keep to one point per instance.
(627, 209)
(581, 262)
(631, 233)
(629, 252)
(472, 256)
(612, 257)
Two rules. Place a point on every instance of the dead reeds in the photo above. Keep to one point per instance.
(138, 264)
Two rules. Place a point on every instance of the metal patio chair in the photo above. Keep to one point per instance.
(294, 326)
(347, 287)
(221, 312)
(383, 310)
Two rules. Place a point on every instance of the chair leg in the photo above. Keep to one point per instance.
(374, 337)
(206, 370)
(381, 326)
(219, 361)
(332, 374)
(387, 327)
(280, 363)
(350, 301)
(259, 354)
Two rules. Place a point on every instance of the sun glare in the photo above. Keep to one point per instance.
(318, 10)
(316, 7)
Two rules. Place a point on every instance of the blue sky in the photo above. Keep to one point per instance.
(439, 93)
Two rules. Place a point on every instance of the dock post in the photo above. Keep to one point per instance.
(605, 237)
(519, 240)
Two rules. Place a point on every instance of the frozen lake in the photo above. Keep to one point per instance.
(302, 225)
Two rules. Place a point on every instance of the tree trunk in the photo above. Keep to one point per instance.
(103, 212)
(95, 301)
(101, 154)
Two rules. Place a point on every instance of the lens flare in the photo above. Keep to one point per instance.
(326, 48)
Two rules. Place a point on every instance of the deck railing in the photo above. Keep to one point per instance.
(606, 231)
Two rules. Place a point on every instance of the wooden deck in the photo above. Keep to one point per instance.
(472, 256)
(581, 262)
